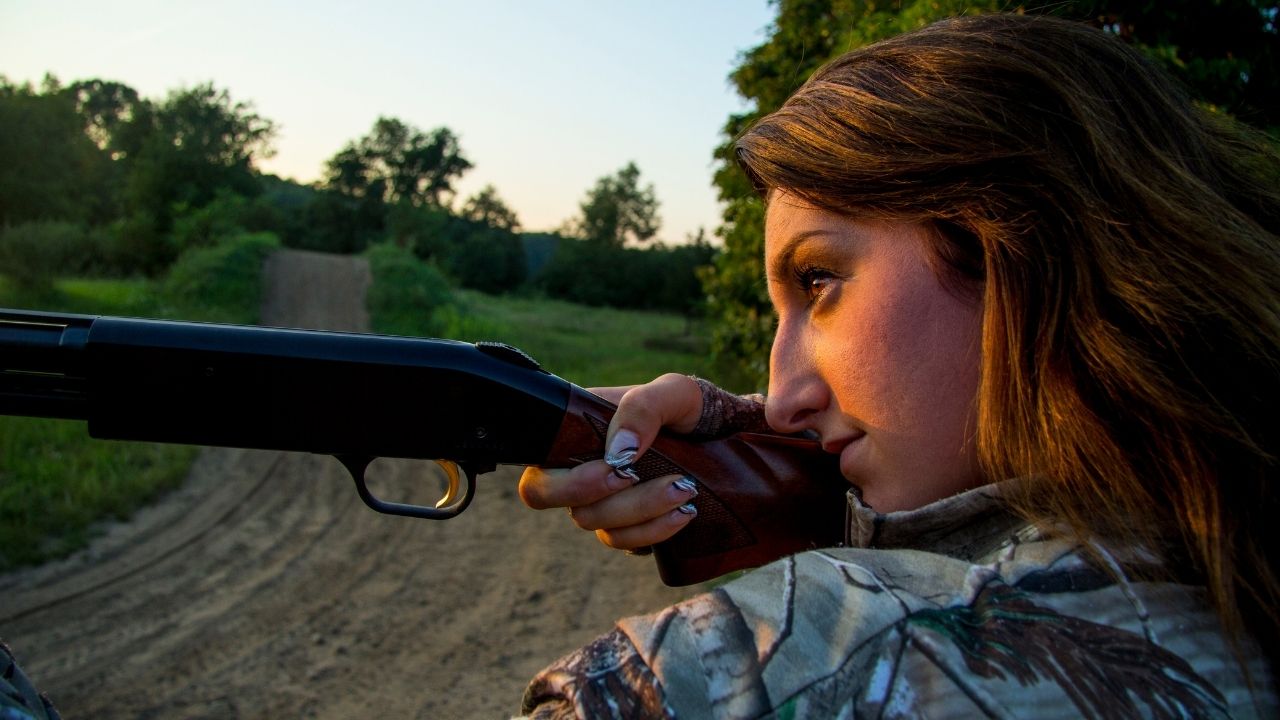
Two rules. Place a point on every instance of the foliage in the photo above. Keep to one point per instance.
(34, 254)
(406, 292)
(486, 258)
(49, 168)
(473, 254)
(221, 218)
(1225, 50)
(221, 283)
(55, 482)
(341, 223)
(108, 111)
(617, 209)
(197, 143)
(654, 278)
(486, 208)
(54, 485)
(397, 162)
(96, 153)
(591, 346)
(282, 209)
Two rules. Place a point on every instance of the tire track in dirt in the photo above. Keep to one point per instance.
(264, 588)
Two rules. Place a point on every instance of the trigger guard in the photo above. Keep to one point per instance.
(449, 506)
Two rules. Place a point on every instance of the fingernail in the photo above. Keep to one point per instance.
(688, 509)
(622, 448)
(687, 486)
(622, 477)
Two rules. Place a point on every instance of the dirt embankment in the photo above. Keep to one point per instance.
(264, 588)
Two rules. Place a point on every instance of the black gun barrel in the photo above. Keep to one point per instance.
(41, 364)
(254, 387)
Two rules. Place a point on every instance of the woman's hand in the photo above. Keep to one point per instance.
(604, 495)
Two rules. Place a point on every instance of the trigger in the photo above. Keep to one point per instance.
(451, 492)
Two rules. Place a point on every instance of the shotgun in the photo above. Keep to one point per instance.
(358, 397)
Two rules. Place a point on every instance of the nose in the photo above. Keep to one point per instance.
(797, 394)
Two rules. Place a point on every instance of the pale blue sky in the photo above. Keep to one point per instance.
(545, 96)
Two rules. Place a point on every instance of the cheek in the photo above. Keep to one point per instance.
(937, 351)
(906, 369)
(896, 353)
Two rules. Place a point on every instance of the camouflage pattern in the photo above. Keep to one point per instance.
(954, 610)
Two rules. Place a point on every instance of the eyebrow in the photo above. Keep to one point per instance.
(783, 260)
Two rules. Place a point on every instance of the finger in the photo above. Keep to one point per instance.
(581, 485)
(638, 504)
(672, 400)
(648, 533)
(612, 394)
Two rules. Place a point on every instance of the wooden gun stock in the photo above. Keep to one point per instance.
(760, 496)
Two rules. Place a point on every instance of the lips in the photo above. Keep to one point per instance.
(836, 445)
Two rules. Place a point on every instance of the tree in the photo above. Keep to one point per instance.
(1226, 51)
(109, 110)
(189, 147)
(49, 170)
(396, 163)
(487, 208)
(193, 145)
(617, 209)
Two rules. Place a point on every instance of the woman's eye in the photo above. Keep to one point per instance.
(813, 281)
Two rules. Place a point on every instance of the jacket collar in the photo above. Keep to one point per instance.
(965, 525)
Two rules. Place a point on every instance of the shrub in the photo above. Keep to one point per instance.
(222, 283)
(406, 292)
(487, 259)
(34, 254)
(651, 278)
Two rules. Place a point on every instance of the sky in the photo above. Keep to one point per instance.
(545, 97)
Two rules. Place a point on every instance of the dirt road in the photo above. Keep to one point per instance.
(264, 588)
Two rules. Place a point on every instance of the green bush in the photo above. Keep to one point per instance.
(650, 278)
(406, 292)
(34, 254)
(205, 226)
(137, 246)
(222, 283)
(57, 483)
(487, 259)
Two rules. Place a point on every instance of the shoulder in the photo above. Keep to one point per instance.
(1033, 629)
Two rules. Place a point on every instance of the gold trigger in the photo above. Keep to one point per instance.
(451, 493)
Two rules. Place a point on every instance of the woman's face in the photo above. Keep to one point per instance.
(872, 353)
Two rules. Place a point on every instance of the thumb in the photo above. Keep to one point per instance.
(672, 401)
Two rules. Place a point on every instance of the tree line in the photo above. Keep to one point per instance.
(99, 179)
(1225, 52)
(96, 179)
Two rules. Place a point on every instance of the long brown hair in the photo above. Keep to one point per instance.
(1124, 245)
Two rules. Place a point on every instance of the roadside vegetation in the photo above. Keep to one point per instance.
(115, 203)
(57, 484)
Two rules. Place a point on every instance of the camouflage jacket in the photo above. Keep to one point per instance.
(957, 609)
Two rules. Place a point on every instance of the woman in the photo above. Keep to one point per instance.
(1031, 296)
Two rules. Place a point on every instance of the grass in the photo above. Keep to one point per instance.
(91, 296)
(55, 481)
(585, 345)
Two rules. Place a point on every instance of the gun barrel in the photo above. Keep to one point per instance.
(307, 390)
(42, 370)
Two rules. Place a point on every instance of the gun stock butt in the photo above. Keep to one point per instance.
(760, 496)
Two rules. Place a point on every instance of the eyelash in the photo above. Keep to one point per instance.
(807, 277)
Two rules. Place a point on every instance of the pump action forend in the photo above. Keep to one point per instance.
(361, 396)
